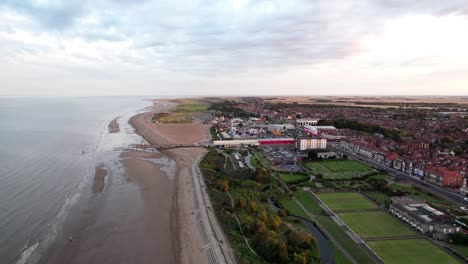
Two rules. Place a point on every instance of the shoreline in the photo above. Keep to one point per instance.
(185, 224)
(201, 237)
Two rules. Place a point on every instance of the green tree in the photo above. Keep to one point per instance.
(312, 154)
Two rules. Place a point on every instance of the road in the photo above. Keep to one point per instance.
(216, 247)
(436, 190)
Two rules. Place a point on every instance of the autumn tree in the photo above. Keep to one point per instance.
(262, 176)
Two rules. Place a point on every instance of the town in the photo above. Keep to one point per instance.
(365, 179)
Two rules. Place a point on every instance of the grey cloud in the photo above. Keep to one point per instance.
(207, 34)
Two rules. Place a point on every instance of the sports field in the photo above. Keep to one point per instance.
(375, 224)
(290, 178)
(410, 251)
(346, 201)
(338, 169)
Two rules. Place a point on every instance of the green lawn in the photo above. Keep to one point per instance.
(382, 176)
(375, 224)
(461, 249)
(192, 107)
(380, 197)
(338, 169)
(308, 202)
(346, 201)
(292, 207)
(339, 257)
(253, 162)
(409, 251)
(290, 178)
(352, 248)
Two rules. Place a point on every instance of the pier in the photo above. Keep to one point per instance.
(168, 146)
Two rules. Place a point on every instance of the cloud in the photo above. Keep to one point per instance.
(205, 37)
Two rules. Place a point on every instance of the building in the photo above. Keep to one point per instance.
(306, 122)
(311, 143)
(444, 177)
(326, 155)
(276, 141)
(235, 143)
(423, 217)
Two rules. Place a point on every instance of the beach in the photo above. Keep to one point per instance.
(184, 222)
(142, 206)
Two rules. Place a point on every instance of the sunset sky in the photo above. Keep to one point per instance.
(233, 47)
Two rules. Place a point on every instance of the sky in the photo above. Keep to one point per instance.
(233, 47)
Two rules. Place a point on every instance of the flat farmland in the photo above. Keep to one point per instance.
(346, 201)
(375, 224)
(338, 169)
(410, 251)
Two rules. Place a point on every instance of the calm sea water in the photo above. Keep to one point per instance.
(42, 168)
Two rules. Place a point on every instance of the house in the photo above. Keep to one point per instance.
(423, 217)
(419, 169)
(389, 158)
(444, 177)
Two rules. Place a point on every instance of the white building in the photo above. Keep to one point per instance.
(306, 122)
(311, 143)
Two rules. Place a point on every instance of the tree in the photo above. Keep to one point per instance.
(275, 222)
(259, 227)
(282, 213)
(224, 185)
(262, 176)
(262, 216)
(283, 251)
(240, 202)
(253, 207)
(312, 154)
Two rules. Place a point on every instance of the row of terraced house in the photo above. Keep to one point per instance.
(427, 170)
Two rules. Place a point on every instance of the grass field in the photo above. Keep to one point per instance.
(346, 201)
(308, 202)
(375, 224)
(461, 249)
(293, 178)
(352, 248)
(409, 251)
(338, 169)
(183, 112)
(292, 207)
(380, 197)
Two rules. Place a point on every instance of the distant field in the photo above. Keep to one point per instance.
(183, 112)
(338, 169)
(375, 224)
(293, 178)
(346, 201)
(410, 251)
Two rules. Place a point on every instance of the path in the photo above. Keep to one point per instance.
(328, 235)
(216, 245)
(347, 230)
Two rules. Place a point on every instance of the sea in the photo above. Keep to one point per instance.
(49, 149)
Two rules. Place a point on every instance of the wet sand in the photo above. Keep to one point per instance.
(99, 178)
(183, 212)
(141, 208)
(114, 126)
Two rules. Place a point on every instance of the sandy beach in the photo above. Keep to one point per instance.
(184, 222)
